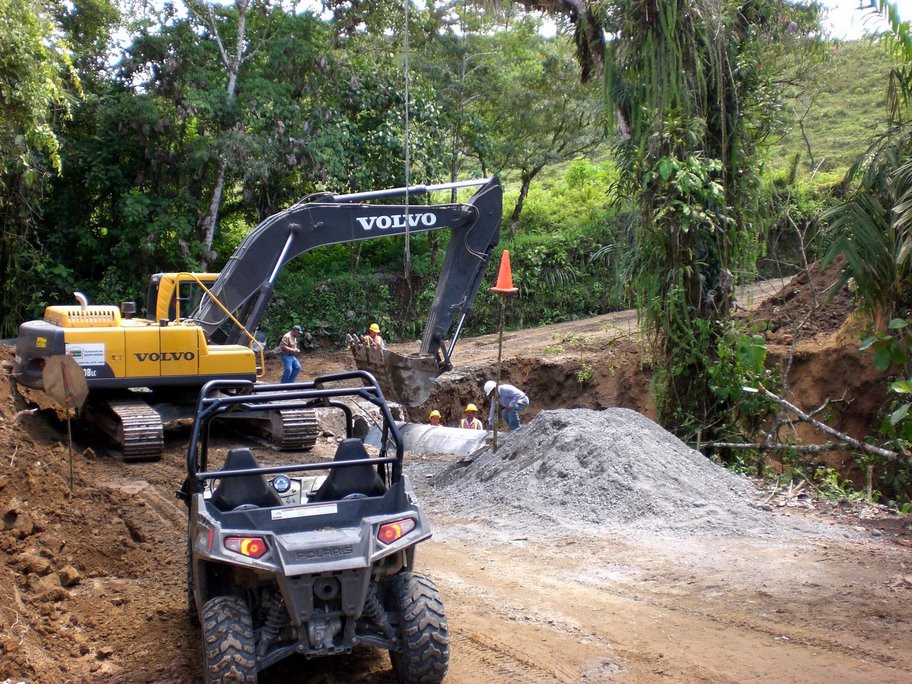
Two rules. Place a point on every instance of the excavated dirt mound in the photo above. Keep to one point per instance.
(611, 471)
(808, 305)
(83, 572)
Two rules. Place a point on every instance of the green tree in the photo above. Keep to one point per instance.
(312, 111)
(691, 93)
(35, 71)
(536, 109)
(873, 227)
(451, 56)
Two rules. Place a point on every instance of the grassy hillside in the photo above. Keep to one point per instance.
(847, 105)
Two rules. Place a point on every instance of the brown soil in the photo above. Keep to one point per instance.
(92, 581)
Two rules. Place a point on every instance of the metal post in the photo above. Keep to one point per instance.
(496, 393)
(70, 443)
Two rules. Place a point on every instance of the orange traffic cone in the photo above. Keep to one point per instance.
(505, 276)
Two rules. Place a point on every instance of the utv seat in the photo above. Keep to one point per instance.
(354, 481)
(243, 490)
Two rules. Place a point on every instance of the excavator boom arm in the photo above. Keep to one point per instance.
(247, 281)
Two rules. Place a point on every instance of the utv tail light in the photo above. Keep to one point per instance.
(393, 531)
(252, 547)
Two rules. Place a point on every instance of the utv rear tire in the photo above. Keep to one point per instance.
(422, 630)
(228, 642)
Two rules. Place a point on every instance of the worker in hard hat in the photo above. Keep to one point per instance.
(434, 418)
(470, 418)
(373, 337)
(512, 402)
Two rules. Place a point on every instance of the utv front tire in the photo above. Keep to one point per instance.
(228, 642)
(422, 630)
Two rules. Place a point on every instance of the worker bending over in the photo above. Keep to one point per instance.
(512, 401)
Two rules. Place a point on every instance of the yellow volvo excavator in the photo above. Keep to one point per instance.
(143, 372)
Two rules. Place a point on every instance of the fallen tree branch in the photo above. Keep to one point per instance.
(778, 446)
(832, 432)
(810, 448)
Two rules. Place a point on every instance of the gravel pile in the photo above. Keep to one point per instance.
(615, 470)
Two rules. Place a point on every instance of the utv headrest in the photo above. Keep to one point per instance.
(360, 479)
(243, 489)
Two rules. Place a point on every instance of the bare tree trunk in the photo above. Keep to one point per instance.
(209, 220)
(527, 177)
(354, 256)
(804, 136)
(232, 64)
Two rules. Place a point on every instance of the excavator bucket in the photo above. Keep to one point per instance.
(407, 380)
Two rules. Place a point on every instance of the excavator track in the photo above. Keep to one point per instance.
(133, 425)
(286, 430)
(294, 429)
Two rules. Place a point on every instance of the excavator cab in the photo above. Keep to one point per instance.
(172, 296)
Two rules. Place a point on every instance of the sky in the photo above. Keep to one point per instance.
(846, 21)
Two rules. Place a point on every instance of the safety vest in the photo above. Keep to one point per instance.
(473, 424)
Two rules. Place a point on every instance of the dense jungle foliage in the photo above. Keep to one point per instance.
(655, 153)
(127, 142)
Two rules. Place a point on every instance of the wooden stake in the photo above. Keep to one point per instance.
(495, 395)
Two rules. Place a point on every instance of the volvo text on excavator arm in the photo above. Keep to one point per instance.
(246, 284)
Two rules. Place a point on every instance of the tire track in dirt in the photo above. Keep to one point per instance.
(727, 614)
(169, 512)
(498, 659)
(477, 637)
(651, 614)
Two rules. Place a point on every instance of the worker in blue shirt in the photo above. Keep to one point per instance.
(512, 401)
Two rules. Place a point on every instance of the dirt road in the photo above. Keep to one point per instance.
(605, 610)
(92, 583)
(561, 339)
(531, 607)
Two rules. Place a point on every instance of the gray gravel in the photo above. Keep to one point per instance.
(612, 471)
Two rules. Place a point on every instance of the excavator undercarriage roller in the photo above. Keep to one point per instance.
(288, 430)
(137, 429)
(133, 425)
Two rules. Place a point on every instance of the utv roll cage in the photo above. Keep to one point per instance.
(220, 397)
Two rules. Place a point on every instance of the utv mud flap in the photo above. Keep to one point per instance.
(406, 380)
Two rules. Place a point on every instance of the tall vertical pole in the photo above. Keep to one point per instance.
(496, 394)
(503, 287)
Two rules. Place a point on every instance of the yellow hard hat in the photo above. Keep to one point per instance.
(374, 327)
(434, 413)
(471, 407)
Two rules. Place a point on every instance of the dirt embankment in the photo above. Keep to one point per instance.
(591, 547)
